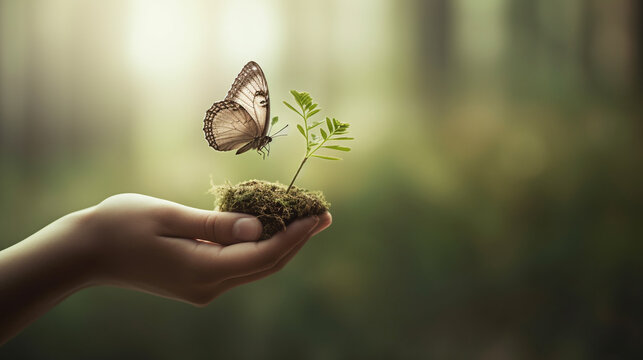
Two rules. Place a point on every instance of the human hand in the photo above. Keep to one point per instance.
(151, 245)
(142, 243)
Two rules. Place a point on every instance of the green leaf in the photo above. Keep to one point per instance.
(313, 107)
(299, 96)
(312, 113)
(323, 134)
(293, 109)
(306, 100)
(342, 138)
(330, 126)
(326, 157)
(342, 126)
(296, 95)
(315, 124)
(301, 130)
(337, 123)
(274, 120)
(335, 147)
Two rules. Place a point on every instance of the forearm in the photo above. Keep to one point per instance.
(39, 272)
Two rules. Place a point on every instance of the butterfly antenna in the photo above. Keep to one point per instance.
(282, 129)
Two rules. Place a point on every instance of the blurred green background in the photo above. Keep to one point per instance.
(491, 207)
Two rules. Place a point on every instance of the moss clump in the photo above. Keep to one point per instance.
(270, 203)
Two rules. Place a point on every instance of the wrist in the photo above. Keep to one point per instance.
(79, 249)
(60, 257)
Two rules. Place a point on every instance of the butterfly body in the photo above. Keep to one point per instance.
(259, 143)
(241, 121)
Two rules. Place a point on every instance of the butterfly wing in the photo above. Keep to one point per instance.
(250, 90)
(228, 126)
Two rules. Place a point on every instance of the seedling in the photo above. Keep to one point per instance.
(315, 142)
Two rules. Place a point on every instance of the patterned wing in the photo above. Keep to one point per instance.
(228, 126)
(250, 90)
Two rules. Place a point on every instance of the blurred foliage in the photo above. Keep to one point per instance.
(490, 209)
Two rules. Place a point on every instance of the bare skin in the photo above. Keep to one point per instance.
(142, 243)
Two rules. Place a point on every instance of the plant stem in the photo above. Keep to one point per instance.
(303, 115)
(308, 154)
(297, 173)
(303, 111)
(321, 144)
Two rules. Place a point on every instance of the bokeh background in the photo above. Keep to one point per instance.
(490, 209)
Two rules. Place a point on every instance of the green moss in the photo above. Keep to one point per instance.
(270, 203)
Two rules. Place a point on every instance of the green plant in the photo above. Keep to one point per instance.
(315, 142)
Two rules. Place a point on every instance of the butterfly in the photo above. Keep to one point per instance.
(241, 121)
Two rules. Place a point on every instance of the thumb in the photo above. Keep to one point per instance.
(224, 228)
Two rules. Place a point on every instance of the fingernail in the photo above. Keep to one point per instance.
(314, 220)
(323, 226)
(308, 223)
(246, 229)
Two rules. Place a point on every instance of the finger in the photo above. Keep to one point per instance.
(248, 258)
(230, 283)
(324, 222)
(221, 227)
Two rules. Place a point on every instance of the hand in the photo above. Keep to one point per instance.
(149, 244)
(142, 243)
